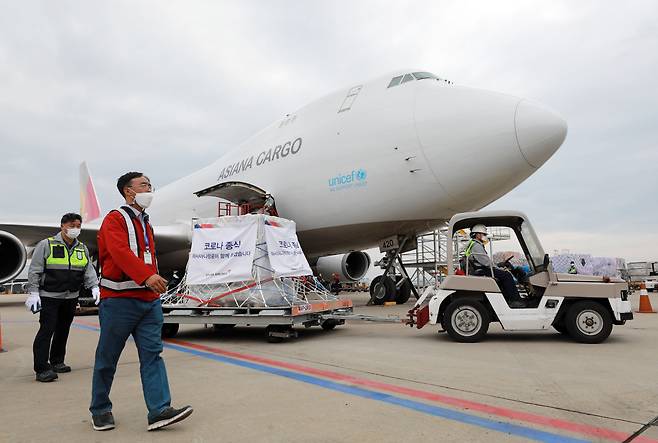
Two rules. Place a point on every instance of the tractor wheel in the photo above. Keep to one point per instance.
(382, 289)
(466, 320)
(559, 327)
(588, 322)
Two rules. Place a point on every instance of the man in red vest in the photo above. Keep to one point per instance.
(130, 305)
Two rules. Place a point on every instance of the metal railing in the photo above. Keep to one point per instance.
(429, 259)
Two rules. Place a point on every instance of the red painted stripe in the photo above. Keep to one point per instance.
(565, 425)
(87, 323)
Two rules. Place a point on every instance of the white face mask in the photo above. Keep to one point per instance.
(144, 199)
(73, 232)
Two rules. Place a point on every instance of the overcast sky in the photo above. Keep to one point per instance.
(167, 87)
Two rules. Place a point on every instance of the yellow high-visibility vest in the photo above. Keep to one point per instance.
(64, 269)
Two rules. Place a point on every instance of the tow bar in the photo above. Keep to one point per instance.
(418, 316)
(349, 316)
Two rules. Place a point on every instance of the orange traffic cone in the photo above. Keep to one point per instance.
(645, 303)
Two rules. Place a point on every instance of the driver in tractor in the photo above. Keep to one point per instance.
(479, 263)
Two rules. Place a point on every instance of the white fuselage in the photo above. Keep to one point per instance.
(400, 160)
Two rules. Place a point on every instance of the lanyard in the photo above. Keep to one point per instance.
(146, 237)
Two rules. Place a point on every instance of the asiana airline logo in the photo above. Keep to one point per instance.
(356, 178)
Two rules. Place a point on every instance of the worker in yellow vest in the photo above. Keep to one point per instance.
(572, 268)
(60, 267)
(479, 263)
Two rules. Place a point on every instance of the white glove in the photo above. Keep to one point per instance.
(96, 293)
(33, 302)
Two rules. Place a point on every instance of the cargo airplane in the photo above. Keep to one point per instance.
(394, 156)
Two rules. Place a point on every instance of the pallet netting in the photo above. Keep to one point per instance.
(518, 259)
(263, 290)
(585, 264)
(273, 292)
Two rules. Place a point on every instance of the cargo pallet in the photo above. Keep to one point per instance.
(279, 322)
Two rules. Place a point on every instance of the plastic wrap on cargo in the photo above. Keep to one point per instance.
(518, 259)
(277, 275)
(604, 266)
(562, 262)
(588, 265)
(585, 263)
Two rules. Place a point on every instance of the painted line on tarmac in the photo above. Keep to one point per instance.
(563, 425)
(86, 326)
(507, 428)
(437, 411)
(229, 357)
(430, 385)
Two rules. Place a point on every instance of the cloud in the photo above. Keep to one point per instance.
(168, 87)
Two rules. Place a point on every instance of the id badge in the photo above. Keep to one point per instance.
(148, 259)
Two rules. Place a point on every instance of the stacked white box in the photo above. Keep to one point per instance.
(213, 284)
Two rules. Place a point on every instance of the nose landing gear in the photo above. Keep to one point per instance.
(392, 286)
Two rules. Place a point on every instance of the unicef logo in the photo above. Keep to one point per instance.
(355, 178)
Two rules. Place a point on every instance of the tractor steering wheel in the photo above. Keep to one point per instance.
(506, 263)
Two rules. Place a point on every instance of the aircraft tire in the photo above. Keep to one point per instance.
(382, 289)
(588, 322)
(402, 295)
(466, 321)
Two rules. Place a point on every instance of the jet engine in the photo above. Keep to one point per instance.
(13, 256)
(352, 266)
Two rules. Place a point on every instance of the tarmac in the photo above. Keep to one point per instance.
(360, 382)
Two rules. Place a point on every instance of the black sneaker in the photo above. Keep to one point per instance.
(169, 416)
(46, 376)
(103, 422)
(61, 368)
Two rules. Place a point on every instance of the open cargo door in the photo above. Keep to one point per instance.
(246, 197)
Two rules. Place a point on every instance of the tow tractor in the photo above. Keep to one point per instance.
(584, 307)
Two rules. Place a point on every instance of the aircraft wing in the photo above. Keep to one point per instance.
(18, 238)
(168, 237)
(32, 233)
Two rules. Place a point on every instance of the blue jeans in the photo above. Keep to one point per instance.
(119, 318)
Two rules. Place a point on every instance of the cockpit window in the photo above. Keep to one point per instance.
(395, 81)
(424, 75)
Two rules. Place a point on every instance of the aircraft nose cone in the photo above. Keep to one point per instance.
(539, 132)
